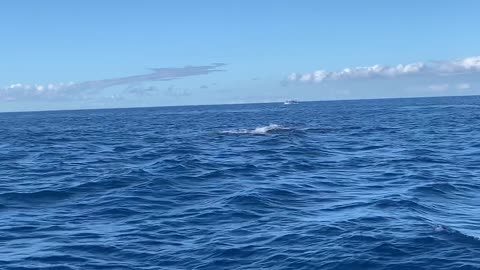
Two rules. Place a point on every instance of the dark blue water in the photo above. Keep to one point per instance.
(374, 184)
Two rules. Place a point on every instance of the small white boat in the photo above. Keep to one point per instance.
(290, 102)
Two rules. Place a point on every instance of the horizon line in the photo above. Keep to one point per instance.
(240, 103)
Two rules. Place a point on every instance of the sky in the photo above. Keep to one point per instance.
(57, 55)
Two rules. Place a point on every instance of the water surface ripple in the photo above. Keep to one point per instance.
(373, 184)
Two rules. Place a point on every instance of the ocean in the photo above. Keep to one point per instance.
(368, 184)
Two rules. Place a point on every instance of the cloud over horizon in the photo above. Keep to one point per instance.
(438, 68)
(57, 90)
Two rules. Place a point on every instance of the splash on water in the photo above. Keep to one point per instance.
(259, 130)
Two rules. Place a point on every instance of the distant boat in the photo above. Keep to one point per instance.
(290, 102)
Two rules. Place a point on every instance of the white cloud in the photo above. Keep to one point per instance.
(438, 87)
(319, 75)
(461, 65)
(19, 90)
(470, 64)
(40, 88)
(61, 90)
(306, 77)
(463, 86)
(292, 77)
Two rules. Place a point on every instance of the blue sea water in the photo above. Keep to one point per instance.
(372, 184)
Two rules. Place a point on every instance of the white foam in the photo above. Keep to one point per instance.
(259, 130)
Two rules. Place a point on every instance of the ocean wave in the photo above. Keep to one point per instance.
(445, 189)
(35, 198)
(341, 185)
(259, 130)
(457, 234)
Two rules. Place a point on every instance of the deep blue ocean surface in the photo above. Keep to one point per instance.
(372, 184)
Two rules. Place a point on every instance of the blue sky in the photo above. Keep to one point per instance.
(99, 54)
